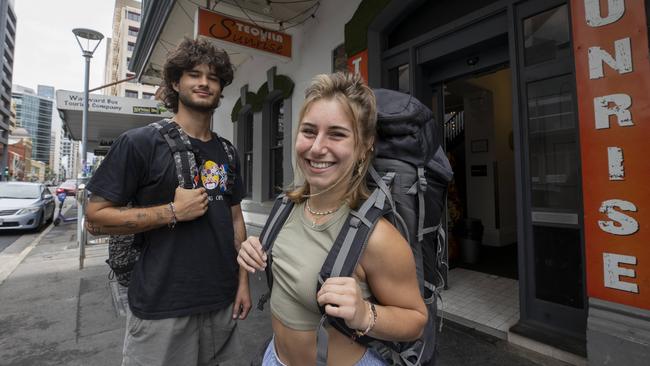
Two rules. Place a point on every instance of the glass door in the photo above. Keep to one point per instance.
(552, 286)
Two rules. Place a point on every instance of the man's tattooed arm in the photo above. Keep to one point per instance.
(106, 217)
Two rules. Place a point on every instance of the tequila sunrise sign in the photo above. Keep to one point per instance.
(613, 84)
(235, 33)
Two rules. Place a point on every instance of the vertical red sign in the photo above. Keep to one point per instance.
(358, 64)
(610, 41)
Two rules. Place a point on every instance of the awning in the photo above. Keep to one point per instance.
(165, 23)
(108, 116)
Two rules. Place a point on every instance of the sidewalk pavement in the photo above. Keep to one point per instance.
(52, 313)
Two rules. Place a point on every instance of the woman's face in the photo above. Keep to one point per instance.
(325, 146)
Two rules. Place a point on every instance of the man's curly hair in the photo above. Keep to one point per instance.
(187, 55)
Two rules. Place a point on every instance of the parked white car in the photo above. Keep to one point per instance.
(25, 205)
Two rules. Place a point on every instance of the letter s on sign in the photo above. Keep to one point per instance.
(626, 224)
(225, 23)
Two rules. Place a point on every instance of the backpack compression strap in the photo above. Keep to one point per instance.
(343, 259)
(279, 214)
(420, 187)
(182, 151)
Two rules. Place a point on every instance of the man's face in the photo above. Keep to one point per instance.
(199, 89)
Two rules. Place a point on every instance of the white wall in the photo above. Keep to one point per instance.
(313, 43)
(496, 129)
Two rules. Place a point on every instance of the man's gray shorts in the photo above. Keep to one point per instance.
(202, 339)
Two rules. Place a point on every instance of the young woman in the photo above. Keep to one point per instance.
(333, 150)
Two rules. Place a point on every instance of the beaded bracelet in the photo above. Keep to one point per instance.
(371, 324)
(172, 208)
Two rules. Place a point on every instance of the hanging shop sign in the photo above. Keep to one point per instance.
(235, 34)
(358, 64)
(613, 84)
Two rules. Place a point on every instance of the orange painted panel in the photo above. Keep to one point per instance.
(358, 63)
(226, 29)
(634, 140)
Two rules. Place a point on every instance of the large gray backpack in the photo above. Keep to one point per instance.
(409, 178)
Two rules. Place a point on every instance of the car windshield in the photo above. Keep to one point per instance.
(19, 191)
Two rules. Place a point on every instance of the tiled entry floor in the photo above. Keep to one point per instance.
(486, 302)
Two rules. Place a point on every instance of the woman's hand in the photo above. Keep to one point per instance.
(342, 299)
(251, 257)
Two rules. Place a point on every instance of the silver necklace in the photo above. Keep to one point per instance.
(321, 213)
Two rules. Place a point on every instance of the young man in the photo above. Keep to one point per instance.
(186, 290)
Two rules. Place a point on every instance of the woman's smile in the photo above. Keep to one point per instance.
(325, 145)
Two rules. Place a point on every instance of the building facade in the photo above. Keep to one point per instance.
(7, 44)
(119, 49)
(540, 106)
(68, 158)
(34, 113)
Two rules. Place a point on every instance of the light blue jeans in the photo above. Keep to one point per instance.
(370, 358)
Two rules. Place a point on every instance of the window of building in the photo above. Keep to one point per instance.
(133, 31)
(132, 16)
(148, 95)
(130, 93)
(248, 154)
(128, 60)
(130, 46)
(277, 137)
(545, 35)
(399, 79)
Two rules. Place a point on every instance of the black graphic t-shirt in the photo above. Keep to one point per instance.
(192, 268)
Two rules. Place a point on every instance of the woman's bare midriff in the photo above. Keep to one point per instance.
(298, 347)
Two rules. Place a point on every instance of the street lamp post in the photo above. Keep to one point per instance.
(88, 41)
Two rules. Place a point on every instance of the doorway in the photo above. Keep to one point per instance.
(481, 201)
(482, 235)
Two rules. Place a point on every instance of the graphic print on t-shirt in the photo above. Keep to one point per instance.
(214, 176)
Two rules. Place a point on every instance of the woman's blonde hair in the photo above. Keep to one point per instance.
(358, 102)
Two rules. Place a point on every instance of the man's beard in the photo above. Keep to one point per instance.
(187, 101)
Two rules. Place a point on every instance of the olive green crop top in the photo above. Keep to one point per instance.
(298, 254)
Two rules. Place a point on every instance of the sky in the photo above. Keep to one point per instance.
(46, 51)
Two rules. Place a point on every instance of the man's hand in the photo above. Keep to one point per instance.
(243, 302)
(190, 203)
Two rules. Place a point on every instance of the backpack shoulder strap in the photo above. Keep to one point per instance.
(229, 148)
(343, 259)
(182, 151)
(231, 155)
(279, 214)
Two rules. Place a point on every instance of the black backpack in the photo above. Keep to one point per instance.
(124, 250)
(410, 174)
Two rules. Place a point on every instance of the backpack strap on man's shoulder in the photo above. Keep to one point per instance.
(231, 155)
(182, 151)
(278, 216)
(229, 148)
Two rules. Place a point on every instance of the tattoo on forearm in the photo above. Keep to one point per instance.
(95, 198)
(126, 224)
(93, 228)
